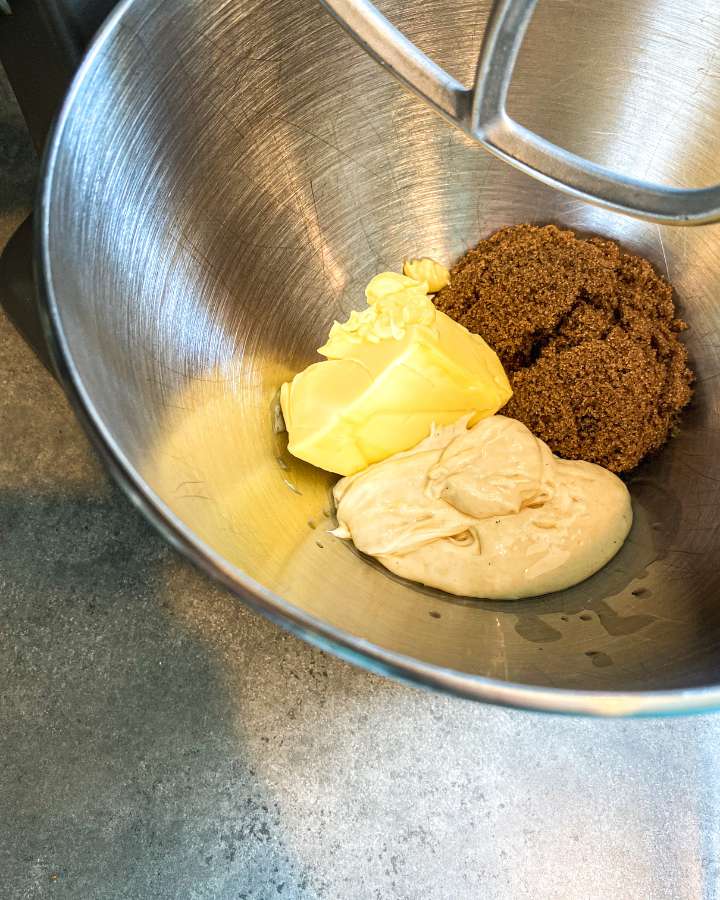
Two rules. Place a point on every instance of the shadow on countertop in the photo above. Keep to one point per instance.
(18, 164)
(122, 774)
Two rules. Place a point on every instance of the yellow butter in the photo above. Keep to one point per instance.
(433, 273)
(391, 372)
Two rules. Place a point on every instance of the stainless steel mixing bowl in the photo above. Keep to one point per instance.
(225, 177)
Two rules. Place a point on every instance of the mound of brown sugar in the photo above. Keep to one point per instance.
(588, 336)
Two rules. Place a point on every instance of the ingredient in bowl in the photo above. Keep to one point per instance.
(588, 335)
(485, 512)
(391, 372)
(433, 273)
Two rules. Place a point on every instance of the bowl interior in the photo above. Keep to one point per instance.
(226, 179)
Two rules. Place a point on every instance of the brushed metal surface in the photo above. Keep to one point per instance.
(481, 113)
(226, 177)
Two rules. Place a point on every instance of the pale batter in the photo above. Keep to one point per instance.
(485, 512)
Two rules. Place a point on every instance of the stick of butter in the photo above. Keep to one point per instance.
(391, 372)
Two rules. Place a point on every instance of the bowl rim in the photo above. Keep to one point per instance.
(343, 644)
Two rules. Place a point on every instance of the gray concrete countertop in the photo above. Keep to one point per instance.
(158, 740)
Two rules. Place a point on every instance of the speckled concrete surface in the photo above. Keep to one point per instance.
(158, 740)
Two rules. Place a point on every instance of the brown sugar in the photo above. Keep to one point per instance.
(588, 336)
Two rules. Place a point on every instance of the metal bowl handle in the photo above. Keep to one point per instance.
(480, 112)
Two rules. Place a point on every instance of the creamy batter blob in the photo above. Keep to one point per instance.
(485, 512)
